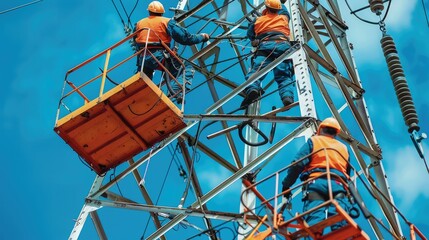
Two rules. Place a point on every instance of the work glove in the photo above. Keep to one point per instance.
(206, 37)
(288, 203)
(288, 199)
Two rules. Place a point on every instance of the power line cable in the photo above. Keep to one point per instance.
(20, 6)
(242, 58)
(126, 13)
(117, 11)
(132, 11)
(232, 220)
(216, 9)
(179, 166)
(112, 176)
(191, 169)
(159, 195)
(134, 8)
(424, 10)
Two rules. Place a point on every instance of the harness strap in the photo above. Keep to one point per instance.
(316, 196)
(275, 38)
(151, 46)
(268, 35)
(335, 173)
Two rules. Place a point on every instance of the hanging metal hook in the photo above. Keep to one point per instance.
(382, 27)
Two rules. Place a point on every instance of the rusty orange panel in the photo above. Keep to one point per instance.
(125, 121)
(350, 230)
(346, 232)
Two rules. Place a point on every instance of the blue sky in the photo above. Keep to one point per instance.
(44, 183)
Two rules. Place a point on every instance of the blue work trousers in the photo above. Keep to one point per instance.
(320, 186)
(283, 72)
(172, 65)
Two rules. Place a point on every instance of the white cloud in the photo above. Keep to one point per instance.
(366, 37)
(215, 175)
(388, 116)
(214, 178)
(400, 14)
(407, 176)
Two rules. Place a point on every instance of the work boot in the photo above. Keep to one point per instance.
(287, 101)
(250, 97)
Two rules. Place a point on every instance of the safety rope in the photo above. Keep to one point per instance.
(159, 195)
(142, 182)
(150, 109)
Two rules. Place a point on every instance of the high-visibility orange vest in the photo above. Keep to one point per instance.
(338, 158)
(158, 29)
(272, 22)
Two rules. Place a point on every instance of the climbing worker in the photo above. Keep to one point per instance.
(269, 33)
(320, 148)
(164, 29)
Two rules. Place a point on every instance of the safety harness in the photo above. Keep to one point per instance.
(266, 37)
(153, 47)
(351, 194)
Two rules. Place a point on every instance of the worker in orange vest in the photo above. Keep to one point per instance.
(270, 33)
(164, 29)
(319, 148)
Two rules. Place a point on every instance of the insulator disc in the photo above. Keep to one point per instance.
(400, 85)
(376, 6)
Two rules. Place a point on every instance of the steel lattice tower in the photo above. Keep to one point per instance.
(327, 84)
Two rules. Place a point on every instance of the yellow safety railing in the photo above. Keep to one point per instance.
(108, 53)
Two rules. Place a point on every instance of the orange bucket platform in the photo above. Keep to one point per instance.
(126, 120)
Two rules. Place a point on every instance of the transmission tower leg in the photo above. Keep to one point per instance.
(248, 201)
(86, 209)
(98, 226)
(302, 75)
